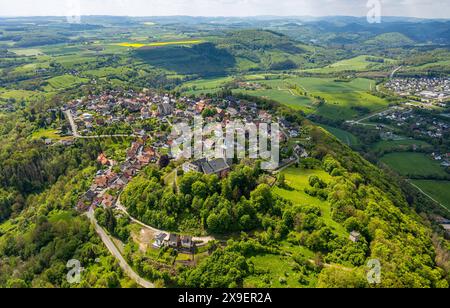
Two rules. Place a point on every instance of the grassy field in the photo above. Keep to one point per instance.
(17, 94)
(107, 71)
(298, 179)
(64, 82)
(160, 44)
(205, 85)
(344, 136)
(47, 134)
(28, 52)
(359, 63)
(343, 99)
(285, 97)
(393, 145)
(437, 64)
(439, 190)
(413, 164)
(278, 269)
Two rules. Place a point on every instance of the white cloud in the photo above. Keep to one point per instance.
(416, 8)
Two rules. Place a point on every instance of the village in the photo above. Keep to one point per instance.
(398, 122)
(153, 143)
(429, 90)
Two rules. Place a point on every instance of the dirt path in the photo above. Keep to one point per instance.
(427, 195)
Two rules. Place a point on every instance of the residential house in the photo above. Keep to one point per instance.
(108, 201)
(187, 242)
(219, 166)
(101, 181)
(173, 241)
(160, 239)
(165, 109)
(355, 236)
(102, 159)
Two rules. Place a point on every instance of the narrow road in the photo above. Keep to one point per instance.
(116, 253)
(73, 126)
(204, 240)
(76, 135)
(395, 71)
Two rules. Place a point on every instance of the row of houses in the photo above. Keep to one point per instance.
(110, 179)
(174, 241)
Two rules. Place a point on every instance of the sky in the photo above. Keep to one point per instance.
(407, 8)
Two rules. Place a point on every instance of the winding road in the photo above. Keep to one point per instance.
(202, 240)
(116, 253)
(76, 135)
(395, 71)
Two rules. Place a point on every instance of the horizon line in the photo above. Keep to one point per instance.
(223, 16)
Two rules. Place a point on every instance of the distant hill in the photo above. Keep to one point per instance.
(393, 39)
(241, 50)
(203, 59)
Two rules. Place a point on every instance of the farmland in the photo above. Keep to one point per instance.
(438, 190)
(65, 81)
(159, 44)
(413, 165)
(344, 100)
(399, 145)
(359, 63)
(344, 136)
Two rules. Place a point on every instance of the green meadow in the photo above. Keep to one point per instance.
(439, 190)
(64, 82)
(399, 145)
(297, 180)
(359, 63)
(344, 99)
(344, 136)
(413, 165)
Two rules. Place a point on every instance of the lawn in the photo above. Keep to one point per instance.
(439, 190)
(438, 64)
(342, 135)
(298, 179)
(413, 164)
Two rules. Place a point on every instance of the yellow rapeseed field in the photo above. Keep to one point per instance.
(159, 44)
